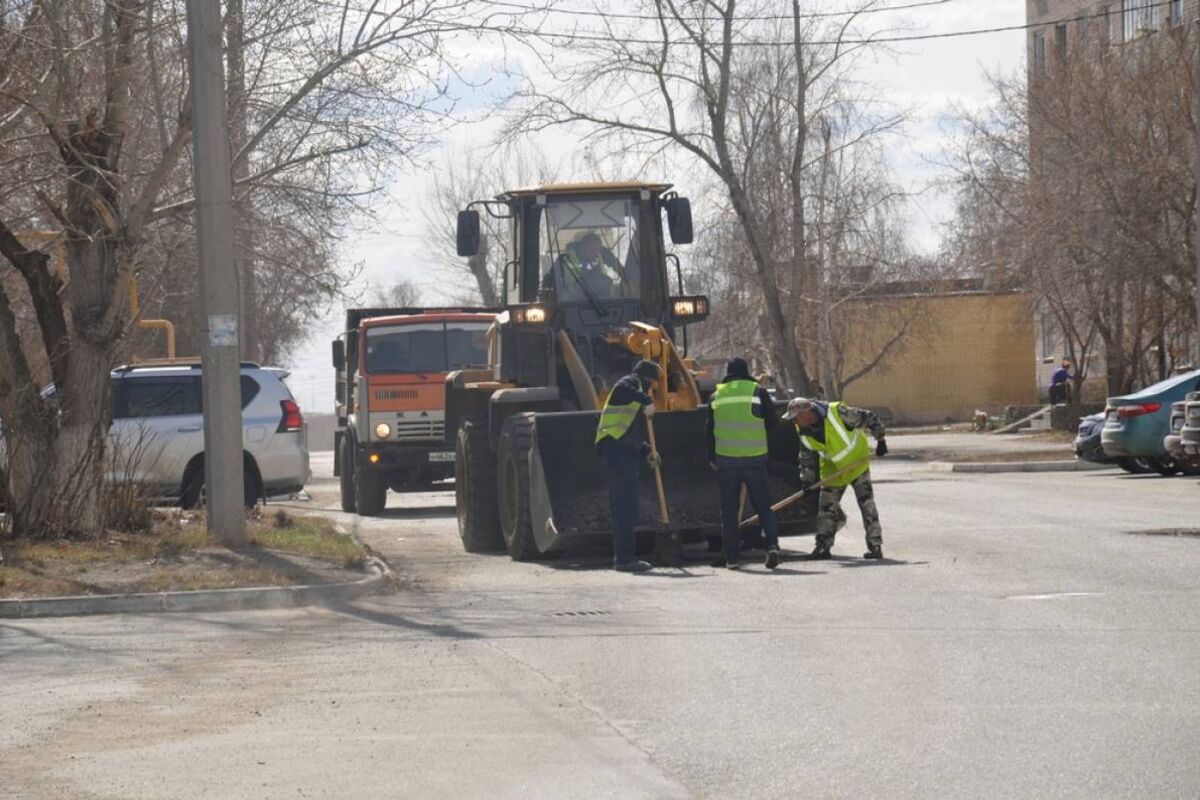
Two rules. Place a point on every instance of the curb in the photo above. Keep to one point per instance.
(1017, 466)
(205, 600)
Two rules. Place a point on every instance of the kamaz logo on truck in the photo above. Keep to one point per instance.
(396, 394)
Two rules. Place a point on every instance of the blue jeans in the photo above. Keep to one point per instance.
(621, 465)
(731, 479)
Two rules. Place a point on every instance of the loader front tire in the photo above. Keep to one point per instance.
(516, 441)
(475, 487)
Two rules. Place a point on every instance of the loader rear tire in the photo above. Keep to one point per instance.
(475, 488)
(516, 441)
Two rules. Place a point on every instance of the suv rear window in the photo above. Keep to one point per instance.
(161, 397)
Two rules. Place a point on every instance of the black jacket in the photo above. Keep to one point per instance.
(625, 391)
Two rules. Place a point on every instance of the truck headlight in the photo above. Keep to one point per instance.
(383, 430)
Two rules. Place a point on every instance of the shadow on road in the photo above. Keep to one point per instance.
(442, 630)
(410, 512)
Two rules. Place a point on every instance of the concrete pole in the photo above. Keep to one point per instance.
(1196, 200)
(218, 277)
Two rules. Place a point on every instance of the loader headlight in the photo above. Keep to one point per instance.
(689, 309)
(383, 431)
(529, 315)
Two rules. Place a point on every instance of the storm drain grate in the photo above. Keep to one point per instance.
(1167, 532)
(580, 613)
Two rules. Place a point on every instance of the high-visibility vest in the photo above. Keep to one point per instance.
(738, 432)
(572, 267)
(841, 448)
(616, 420)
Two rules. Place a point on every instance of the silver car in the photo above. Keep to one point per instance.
(157, 436)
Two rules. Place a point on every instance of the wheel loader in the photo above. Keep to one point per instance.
(587, 293)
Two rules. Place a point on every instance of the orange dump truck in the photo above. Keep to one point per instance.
(391, 371)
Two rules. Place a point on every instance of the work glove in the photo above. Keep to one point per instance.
(648, 410)
(654, 460)
(881, 448)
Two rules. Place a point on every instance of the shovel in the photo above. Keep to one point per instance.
(668, 548)
(787, 501)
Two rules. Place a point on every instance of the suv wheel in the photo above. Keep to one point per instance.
(195, 494)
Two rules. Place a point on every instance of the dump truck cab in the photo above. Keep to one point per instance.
(588, 291)
(391, 370)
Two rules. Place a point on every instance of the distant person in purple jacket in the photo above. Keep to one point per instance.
(1060, 389)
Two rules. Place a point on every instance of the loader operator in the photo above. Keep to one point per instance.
(740, 418)
(832, 434)
(622, 448)
(585, 271)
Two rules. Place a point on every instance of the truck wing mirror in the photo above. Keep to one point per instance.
(679, 219)
(339, 355)
(467, 233)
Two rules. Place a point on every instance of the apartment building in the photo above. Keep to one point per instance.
(1059, 27)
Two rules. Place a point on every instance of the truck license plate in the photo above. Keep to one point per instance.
(441, 456)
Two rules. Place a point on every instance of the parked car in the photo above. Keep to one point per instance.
(1088, 447)
(1183, 441)
(1136, 425)
(157, 436)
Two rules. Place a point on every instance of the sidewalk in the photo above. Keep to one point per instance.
(981, 448)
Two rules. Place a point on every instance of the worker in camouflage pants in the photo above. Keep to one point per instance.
(834, 447)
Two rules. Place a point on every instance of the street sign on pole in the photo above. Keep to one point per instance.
(221, 357)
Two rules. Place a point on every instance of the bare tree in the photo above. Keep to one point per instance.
(401, 294)
(715, 81)
(94, 142)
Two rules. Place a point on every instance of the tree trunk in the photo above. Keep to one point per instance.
(478, 264)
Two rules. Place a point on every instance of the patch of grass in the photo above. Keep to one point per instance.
(308, 536)
(165, 541)
(17, 582)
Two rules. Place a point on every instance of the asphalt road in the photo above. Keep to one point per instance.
(1025, 641)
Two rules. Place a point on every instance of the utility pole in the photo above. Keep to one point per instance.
(221, 356)
(1196, 197)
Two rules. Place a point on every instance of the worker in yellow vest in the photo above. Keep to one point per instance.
(741, 414)
(832, 436)
(622, 446)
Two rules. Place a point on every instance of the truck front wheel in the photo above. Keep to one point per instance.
(370, 492)
(346, 475)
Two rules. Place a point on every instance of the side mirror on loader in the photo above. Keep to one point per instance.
(339, 355)
(679, 219)
(467, 233)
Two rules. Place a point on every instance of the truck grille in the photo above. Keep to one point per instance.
(419, 428)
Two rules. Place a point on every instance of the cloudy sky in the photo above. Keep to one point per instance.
(930, 77)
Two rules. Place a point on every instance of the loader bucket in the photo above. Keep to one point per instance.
(569, 491)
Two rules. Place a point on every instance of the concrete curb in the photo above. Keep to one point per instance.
(1017, 466)
(206, 600)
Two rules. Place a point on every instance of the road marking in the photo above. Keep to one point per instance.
(1054, 596)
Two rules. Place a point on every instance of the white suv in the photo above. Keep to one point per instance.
(157, 435)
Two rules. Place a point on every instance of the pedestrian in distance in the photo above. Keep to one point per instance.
(1060, 389)
(833, 446)
(741, 415)
(622, 449)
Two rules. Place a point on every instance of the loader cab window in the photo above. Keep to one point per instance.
(588, 250)
(426, 347)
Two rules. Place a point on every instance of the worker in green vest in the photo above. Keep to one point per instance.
(741, 414)
(832, 435)
(622, 446)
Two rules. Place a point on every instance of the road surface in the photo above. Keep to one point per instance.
(1028, 639)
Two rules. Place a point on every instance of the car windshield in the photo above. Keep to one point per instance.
(426, 347)
(589, 249)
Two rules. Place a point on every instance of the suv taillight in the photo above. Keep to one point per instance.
(292, 419)
(1138, 410)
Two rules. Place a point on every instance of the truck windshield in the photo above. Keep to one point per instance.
(589, 249)
(426, 347)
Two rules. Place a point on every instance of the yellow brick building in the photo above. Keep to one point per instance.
(964, 351)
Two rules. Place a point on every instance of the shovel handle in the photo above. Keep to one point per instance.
(787, 501)
(663, 517)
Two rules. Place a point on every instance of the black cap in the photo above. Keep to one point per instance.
(647, 370)
(737, 368)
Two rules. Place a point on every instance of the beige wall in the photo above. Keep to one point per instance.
(971, 351)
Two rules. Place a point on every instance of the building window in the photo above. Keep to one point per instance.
(1105, 25)
(1139, 17)
(1060, 41)
(1048, 335)
(1175, 12)
(1039, 51)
